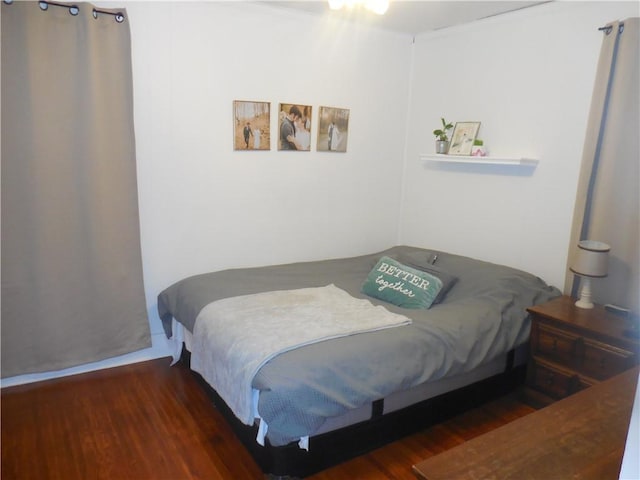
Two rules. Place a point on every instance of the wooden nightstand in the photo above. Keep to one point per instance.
(573, 348)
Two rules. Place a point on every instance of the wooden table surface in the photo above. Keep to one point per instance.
(580, 437)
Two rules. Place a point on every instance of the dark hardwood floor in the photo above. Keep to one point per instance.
(151, 421)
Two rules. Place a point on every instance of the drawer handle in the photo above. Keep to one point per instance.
(549, 380)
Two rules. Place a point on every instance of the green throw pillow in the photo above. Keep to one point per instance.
(401, 285)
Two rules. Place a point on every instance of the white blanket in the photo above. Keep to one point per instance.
(234, 337)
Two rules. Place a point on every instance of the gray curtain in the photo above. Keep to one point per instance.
(72, 289)
(608, 199)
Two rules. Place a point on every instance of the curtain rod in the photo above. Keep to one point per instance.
(74, 9)
(607, 28)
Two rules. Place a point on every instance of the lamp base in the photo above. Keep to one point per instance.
(584, 304)
(585, 294)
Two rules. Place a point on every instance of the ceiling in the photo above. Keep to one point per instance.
(411, 17)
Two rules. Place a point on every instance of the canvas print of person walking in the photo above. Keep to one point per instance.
(251, 128)
(333, 129)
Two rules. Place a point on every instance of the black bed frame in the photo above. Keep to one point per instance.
(331, 448)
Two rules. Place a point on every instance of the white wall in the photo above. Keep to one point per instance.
(528, 77)
(204, 206)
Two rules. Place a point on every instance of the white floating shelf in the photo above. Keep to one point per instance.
(436, 157)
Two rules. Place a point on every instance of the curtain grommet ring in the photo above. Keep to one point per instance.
(118, 16)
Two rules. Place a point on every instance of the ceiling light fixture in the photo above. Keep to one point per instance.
(376, 6)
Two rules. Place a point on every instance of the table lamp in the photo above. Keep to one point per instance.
(591, 261)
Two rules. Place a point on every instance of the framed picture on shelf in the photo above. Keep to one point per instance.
(464, 133)
(294, 131)
(251, 125)
(333, 129)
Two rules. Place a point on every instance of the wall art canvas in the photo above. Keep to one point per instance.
(333, 129)
(251, 125)
(294, 127)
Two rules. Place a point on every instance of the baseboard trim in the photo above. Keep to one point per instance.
(160, 348)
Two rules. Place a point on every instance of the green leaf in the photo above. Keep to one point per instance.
(441, 133)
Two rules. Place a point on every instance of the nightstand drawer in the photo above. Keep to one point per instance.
(602, 361)
(552, 381)
(574, 348)
(555, 345)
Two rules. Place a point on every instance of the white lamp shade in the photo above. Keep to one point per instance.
(592, 259)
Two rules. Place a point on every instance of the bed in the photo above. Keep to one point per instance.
(315, 362)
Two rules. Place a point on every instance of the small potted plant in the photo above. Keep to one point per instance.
(478, 149)
(442, 139)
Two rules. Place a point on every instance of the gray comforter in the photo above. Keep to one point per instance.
(482, 316)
